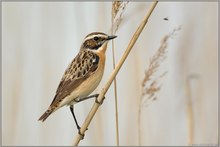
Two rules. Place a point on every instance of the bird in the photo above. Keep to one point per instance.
(82, 76)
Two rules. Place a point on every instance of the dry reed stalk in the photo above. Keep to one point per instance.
(116, 96)
(150, 84)
(189, 112)
(116, 7)
(113, 74)
(190, 117)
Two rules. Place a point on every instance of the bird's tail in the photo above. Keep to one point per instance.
(46, 114)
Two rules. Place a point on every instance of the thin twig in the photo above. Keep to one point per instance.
(113, 74)
(116, 98)
(116, 7)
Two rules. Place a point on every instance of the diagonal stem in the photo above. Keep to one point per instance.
(114, 73)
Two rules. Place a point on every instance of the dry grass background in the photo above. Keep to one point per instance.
(40, 39)
(151, 83)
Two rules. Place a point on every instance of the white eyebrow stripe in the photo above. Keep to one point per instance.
(92, 36)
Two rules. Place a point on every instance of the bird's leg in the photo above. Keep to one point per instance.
(85, 98)
(77, 125)
(72, 111)
(88, 97)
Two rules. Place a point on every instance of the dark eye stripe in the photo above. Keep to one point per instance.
(96, 47)
(96, 38)
(93, 44)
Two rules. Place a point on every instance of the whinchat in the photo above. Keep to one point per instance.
(83, 74)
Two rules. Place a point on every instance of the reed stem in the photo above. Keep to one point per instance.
(113, 74)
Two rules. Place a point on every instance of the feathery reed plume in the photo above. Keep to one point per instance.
(116, 7)
(150, 85)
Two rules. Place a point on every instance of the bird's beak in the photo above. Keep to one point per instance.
(111, 37)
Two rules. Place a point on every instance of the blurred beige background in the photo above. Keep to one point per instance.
(39, 40)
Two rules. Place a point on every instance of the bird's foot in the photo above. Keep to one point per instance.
(81, 134)
(99, 102)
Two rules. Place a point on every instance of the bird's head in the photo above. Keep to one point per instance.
(96, 41)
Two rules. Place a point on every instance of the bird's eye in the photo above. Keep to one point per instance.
(96, 38)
